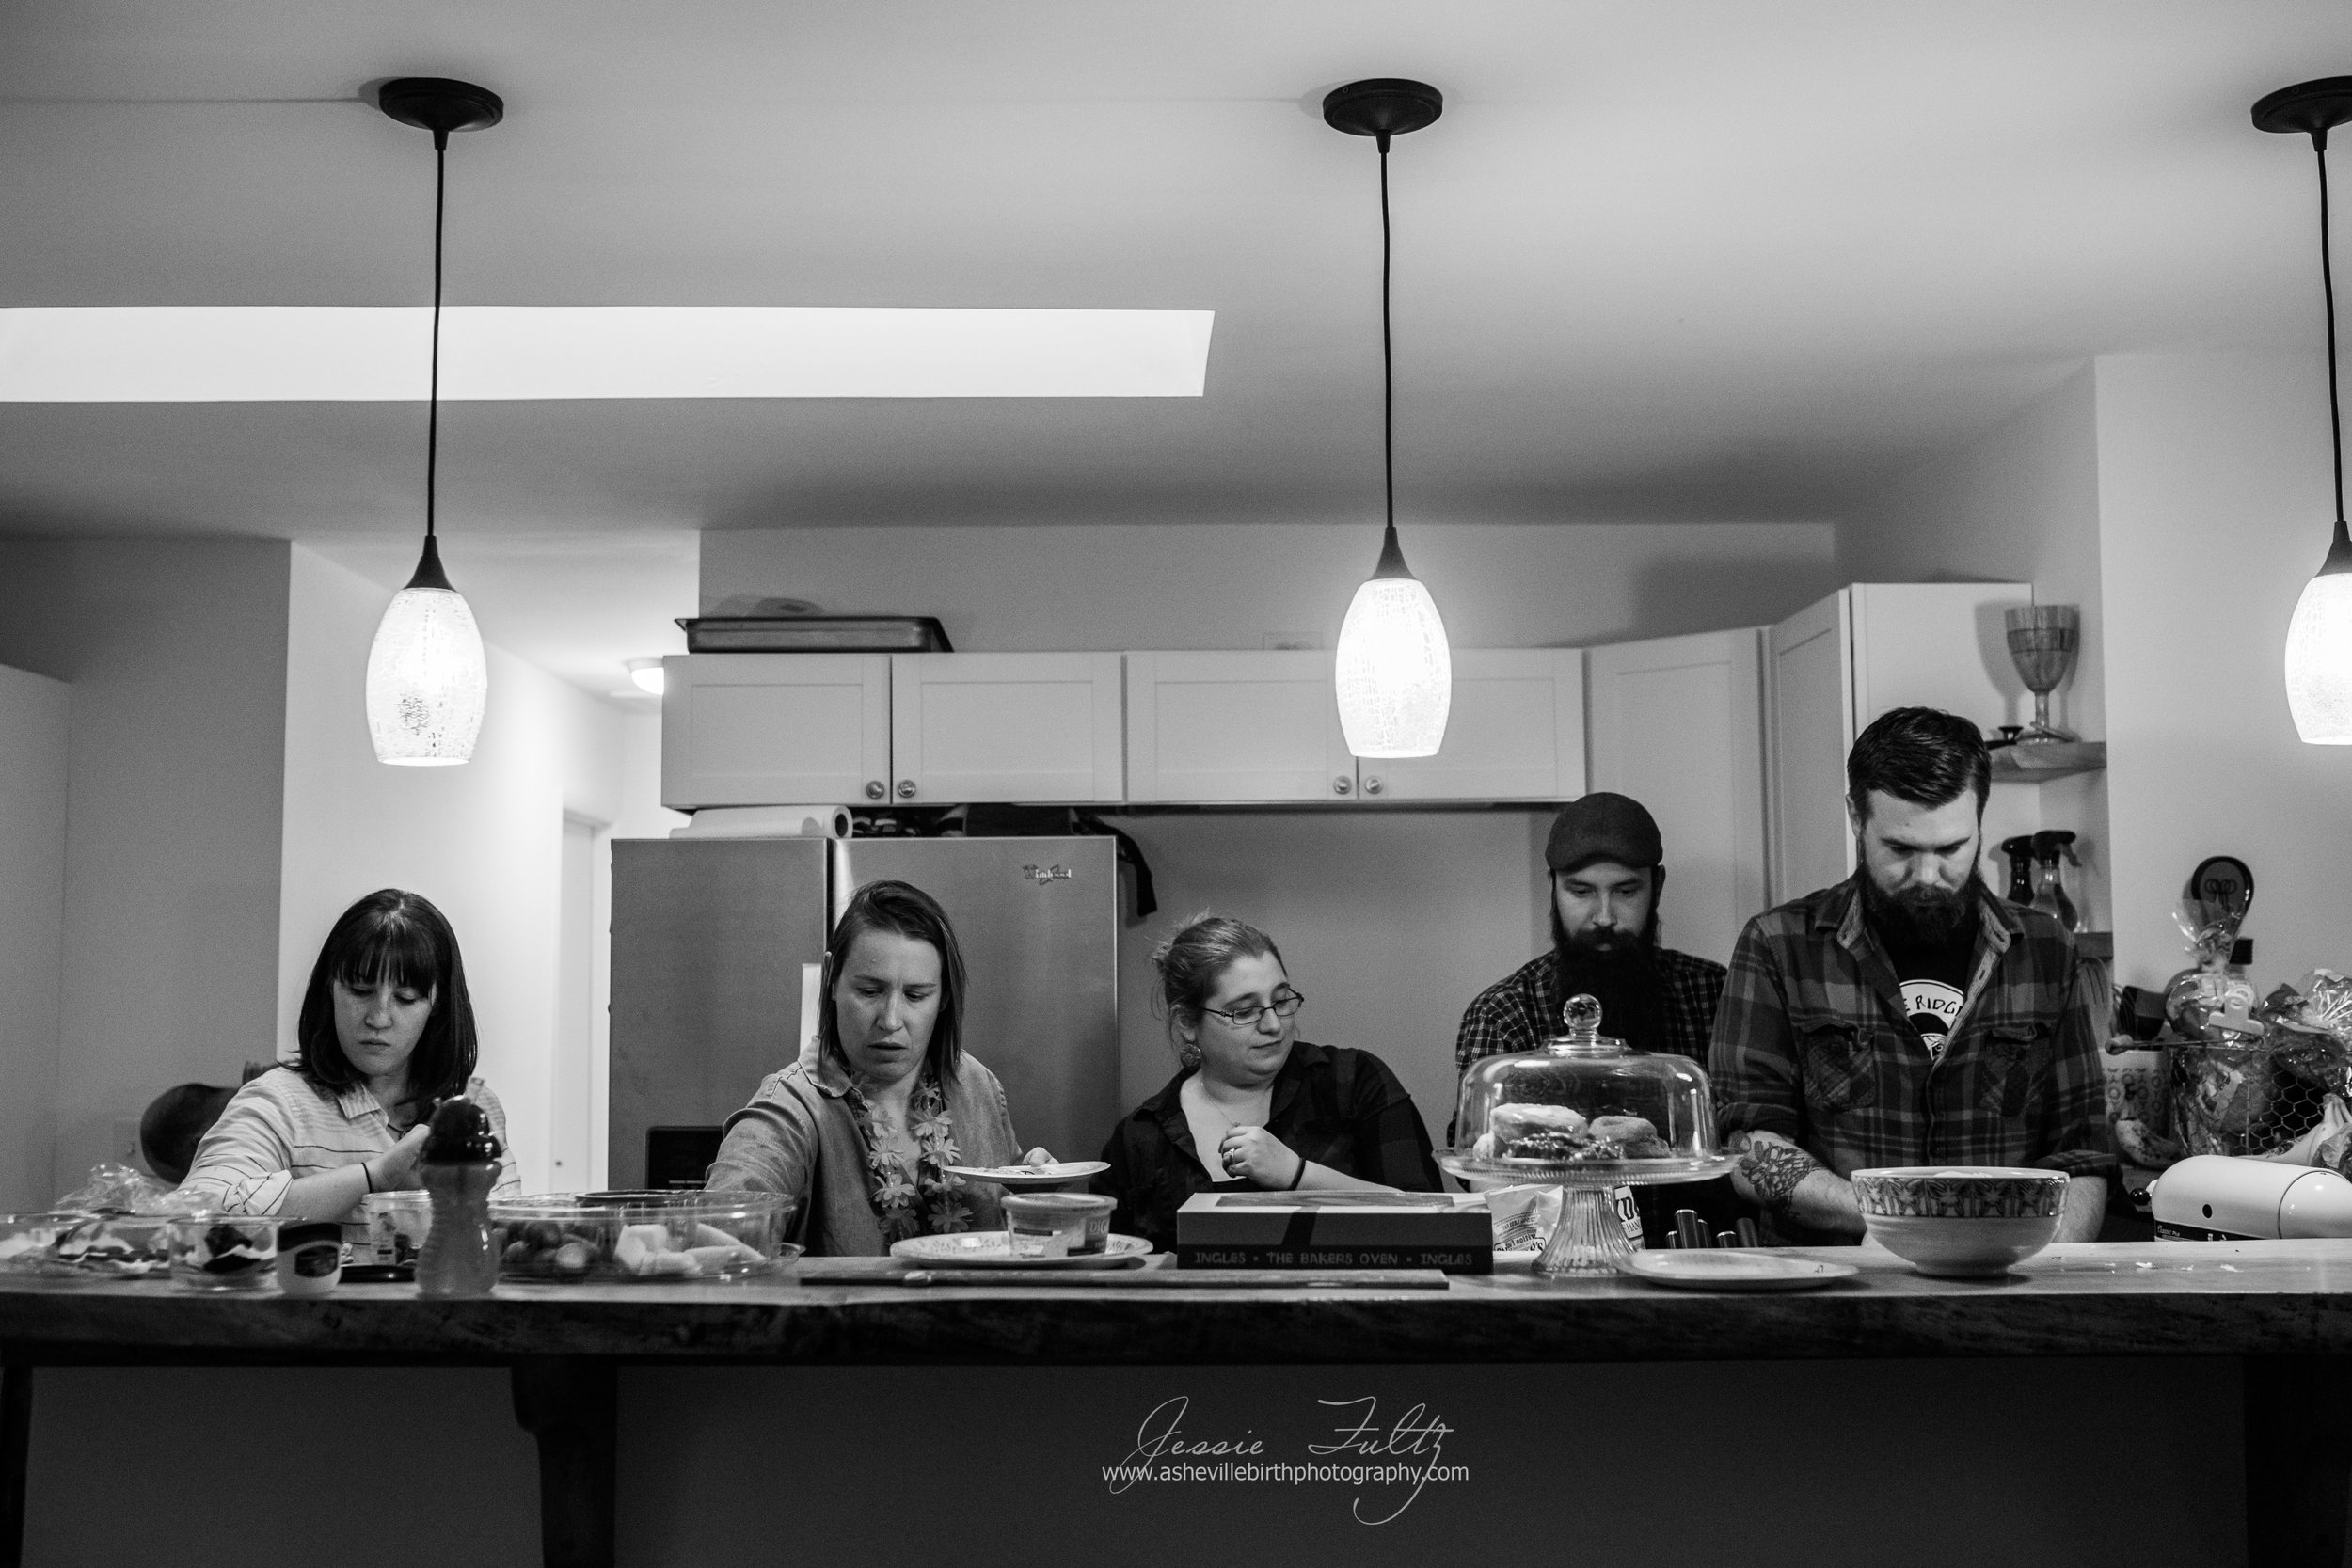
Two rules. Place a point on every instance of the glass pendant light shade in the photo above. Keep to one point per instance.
(1394, 671)
(2319, 652)
(2319, 638)
(427, 680)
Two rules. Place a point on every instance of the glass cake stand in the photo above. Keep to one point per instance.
(1590, 1240)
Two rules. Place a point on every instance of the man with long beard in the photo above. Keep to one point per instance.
(1906, 1016)
(1607, 865)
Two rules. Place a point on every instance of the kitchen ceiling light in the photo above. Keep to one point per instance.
(1394, 673)
(544, 352)
(648, 676)
(2319, 638)
(427, 679)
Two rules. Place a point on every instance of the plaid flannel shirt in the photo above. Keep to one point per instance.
(1812, 1043)
(1522, 1010)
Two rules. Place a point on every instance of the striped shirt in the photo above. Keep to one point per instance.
(282, 1126)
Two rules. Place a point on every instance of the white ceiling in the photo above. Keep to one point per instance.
(1718, 259)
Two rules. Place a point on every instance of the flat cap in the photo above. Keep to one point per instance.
(1603, 827)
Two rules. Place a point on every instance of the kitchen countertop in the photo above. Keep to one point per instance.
(2132, 1299)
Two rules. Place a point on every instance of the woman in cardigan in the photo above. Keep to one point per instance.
(861, 1138)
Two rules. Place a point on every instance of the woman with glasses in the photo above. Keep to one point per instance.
(1254, 1105)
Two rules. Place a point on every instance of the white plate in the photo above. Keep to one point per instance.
(1733, 1269)
(1060, 1174)
(993, 1249)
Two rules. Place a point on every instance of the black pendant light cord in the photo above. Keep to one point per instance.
(1391, 557)
(433, 398)
(2328, 287)
(1387, 362)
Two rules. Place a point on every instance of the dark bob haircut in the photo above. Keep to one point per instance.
(909, 912)
(1920, 755)
(395, 936)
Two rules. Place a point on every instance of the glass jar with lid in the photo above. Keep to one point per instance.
(1589, 1113)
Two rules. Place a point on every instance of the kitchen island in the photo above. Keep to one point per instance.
(2284, 1307)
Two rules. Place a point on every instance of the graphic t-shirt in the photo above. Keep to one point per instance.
(1933, 978)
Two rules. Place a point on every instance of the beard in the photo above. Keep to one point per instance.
(1917, 916)
(1619, 970)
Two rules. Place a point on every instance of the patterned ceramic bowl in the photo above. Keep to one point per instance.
(1959, 1221)
(1960, 1192)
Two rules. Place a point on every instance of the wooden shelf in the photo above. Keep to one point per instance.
(2039, 763)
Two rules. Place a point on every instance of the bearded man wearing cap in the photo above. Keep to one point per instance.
(1607, 869)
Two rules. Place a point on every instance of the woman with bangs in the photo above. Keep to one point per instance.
(387, 1032)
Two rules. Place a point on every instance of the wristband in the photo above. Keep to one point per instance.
(1298, 1175)
(369, 1174)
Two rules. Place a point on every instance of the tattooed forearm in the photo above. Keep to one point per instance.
(1773, 1169)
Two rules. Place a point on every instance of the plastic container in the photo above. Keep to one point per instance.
(458, 1258)
(1058, 1225)
(398, 1224)
(310, 1257)
(572, 1238)
(28, 1243)
(215, 1251)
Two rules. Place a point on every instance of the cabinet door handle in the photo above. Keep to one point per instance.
(1372, 784)
(1342, 784)
(874, 790)
(906, 790)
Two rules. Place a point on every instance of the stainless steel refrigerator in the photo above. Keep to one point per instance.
(708, 941)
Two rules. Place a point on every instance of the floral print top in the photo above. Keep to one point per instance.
(924, 1201)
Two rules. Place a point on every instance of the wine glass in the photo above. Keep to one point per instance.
(2041, 643)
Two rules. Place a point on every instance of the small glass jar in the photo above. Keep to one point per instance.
(1058, 1225)
(398, 1224)
(215, 1251)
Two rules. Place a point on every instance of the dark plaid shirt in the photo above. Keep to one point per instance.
(1332, 1106)
(1522, 1010)
(1812, 1043)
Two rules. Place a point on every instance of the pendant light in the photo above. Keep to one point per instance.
(427, 680)
(1394, 673)
(2319, 638)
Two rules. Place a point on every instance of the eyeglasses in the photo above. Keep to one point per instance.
(1285, 1005)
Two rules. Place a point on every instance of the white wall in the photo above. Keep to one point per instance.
(1249, 585)
(176, 652)
(2018, 504)
(483, 841)
(34, 715)
(2214, 511)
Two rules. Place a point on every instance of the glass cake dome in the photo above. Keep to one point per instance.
(1588, 1114)
(1584, 1100)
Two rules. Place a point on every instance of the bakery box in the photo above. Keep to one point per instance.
(1336, 1230)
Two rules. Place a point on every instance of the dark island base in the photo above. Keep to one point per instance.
(2280, 1307)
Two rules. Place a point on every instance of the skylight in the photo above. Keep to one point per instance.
(378, 354)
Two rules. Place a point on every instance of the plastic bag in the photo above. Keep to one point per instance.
(120, 1190)
(1524, 1217)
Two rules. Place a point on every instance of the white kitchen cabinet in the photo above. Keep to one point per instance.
(1835, 666)
(1033, 727)
(1678, 723)
(1516, 732)
(770, 729)
(1234, 727)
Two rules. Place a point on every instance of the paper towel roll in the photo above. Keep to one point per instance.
(767, 822)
